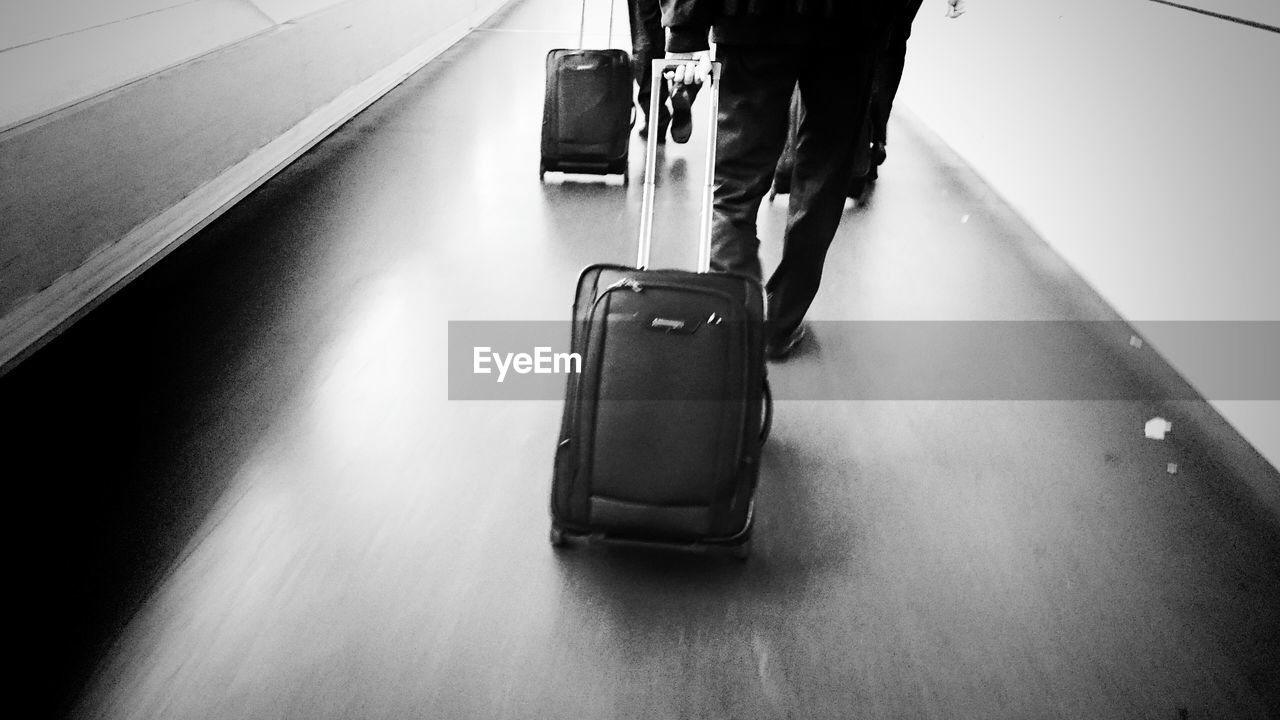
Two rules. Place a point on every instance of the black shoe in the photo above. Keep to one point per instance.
(878, 154)
(681, 115)
(787, 347)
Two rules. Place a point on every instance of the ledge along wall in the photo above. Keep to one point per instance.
(126, 127)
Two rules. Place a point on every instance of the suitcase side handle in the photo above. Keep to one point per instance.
(660, 66)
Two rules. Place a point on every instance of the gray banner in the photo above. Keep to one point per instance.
(926, 360)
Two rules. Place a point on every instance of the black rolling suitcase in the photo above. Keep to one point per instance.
(588, 109)
(661, 432)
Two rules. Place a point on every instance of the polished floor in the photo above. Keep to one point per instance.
(242, 489)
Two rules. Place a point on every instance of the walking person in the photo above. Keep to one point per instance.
(766, 48)
(647, 42)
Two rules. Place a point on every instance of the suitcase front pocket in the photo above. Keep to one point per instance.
(588, 106)
(664, 424)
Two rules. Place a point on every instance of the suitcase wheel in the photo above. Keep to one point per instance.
(557, 536)
(620, 168)
(542, 169)
(741, 551)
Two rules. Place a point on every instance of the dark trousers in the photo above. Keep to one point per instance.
(647, 44)
(889, 68)
(755, 99)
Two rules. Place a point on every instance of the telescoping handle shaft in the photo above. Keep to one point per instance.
(582, 27)
(651, 161)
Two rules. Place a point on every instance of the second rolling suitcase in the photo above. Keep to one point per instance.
(662, 429)
(588, 110)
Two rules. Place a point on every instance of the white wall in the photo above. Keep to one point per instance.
(1139, 140)
(128, 130)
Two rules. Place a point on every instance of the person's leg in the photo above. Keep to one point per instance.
(755, 98)
(881, 100)
(647, 43)
(889, 67)
(835, 87)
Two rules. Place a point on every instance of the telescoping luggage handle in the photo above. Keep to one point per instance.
(651, 162)
(704, 219)
(582, 26)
